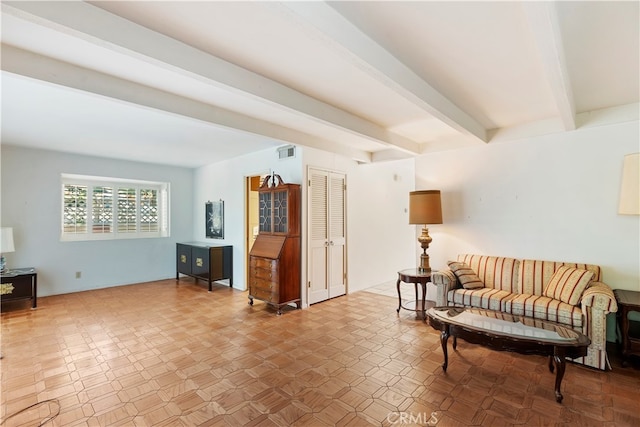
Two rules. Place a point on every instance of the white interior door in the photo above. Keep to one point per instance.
(337, 235)
(327, 231)
(318, 236)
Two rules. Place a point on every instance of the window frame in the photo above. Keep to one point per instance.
(91, 182)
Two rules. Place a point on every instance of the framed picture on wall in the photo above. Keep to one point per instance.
(214, 219)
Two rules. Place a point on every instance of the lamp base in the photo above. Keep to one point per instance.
(424, 240)
(3, 264)
(424, 264)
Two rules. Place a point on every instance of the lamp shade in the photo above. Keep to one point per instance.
(6, 240)
(425, 207)
(630, 187)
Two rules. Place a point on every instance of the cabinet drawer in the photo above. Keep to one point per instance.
(184, 259)
(16, 287)
(266, 285)
(264, 294)
(263, 273)
(200, 261)
(267, 263)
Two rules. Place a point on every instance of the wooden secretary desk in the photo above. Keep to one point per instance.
(274, 260)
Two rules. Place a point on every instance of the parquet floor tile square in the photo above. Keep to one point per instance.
(170, 353)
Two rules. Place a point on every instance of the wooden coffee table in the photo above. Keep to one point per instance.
(505, 332)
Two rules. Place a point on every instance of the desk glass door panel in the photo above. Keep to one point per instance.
(265, 212)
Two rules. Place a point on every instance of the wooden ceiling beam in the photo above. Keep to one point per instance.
(343, 36)
(543, 22)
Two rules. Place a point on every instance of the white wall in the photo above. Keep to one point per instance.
(553, 197)
(380, 241)
(226, 180)
(31, 204)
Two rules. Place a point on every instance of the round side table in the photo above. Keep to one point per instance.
(415, 276)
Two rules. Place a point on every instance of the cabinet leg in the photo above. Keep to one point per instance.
(35, 292)
(250, 300)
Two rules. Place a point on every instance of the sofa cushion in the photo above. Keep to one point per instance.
(489, 298)
(466, 276)
(545, 308)
(535, 275)
(495, 272)
(567, 284)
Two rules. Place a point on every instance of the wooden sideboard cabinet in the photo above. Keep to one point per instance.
(20, 283)
(205, 261)
(274, 260)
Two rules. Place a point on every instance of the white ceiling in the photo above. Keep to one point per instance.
(192, 83)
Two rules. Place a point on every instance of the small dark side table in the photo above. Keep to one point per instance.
(417, 277)
(19, 283)
(627, 301)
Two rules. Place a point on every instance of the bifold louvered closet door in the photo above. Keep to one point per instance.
(327, 253)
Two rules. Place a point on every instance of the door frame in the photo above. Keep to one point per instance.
(308, 239)
(247, 216)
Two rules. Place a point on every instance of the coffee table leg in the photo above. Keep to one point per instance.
(560, 363)
(444, 336)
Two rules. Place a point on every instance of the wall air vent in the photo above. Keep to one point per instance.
(286, 152)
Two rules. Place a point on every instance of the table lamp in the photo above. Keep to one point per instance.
(6, 245)
(425, 208)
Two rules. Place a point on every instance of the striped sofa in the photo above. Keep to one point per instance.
(517, 286)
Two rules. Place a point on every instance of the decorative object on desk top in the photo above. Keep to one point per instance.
(6, 245)
(214, 219)
(425, 208)
(630, 187)
(270, 181)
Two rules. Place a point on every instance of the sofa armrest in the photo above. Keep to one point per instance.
(445, 281)
(599, 296)
(597, 300)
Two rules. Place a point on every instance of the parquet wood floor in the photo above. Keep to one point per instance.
(161, 354)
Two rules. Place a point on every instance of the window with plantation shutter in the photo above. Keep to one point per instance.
(127, 210)
(74, 200)
(100, 208)
(149, 210)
